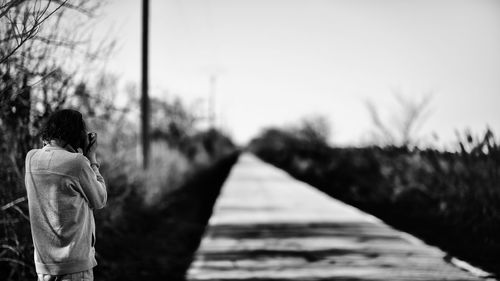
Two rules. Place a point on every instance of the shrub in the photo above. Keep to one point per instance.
(451, 199)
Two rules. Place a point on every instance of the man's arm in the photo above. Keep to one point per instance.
(92, 184)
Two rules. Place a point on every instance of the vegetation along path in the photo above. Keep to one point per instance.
(268, 226)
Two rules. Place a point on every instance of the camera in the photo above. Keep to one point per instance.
(91, 137)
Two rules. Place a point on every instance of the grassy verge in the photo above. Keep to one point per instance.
(451, 200)
(153, 242)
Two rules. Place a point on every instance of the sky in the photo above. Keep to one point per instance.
(276, 61)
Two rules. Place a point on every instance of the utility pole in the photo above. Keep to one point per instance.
(211, 105)
(144, 87)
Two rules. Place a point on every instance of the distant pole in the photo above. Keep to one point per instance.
(144, 86)
(213, 82)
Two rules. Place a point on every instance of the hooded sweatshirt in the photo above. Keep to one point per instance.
(63, 189)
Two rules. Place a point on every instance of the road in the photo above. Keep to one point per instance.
(267, 225)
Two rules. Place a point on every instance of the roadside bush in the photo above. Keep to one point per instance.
(157, 241)
(451, 199)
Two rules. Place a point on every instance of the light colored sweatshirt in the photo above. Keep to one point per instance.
(62, 189)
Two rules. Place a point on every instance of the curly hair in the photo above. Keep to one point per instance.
(65, 125)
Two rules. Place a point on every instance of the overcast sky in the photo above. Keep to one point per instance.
(279, 60)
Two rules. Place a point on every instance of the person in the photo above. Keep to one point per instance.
(64, 186)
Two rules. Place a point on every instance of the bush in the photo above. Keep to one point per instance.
(451, 199)
(152, 242)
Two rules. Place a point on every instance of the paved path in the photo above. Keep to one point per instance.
(269, 226)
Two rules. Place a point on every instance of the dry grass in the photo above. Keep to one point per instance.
(167, 172)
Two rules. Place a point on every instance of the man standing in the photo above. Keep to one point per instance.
(64, 185)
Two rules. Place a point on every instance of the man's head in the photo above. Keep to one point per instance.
(66, 127)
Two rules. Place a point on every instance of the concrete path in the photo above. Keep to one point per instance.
(268, 226)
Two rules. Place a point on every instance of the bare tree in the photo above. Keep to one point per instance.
(315, 129)
(37, 21)
(43, 45)
(172, 121)
(403, 127)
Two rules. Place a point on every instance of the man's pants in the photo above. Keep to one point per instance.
(87, 275)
